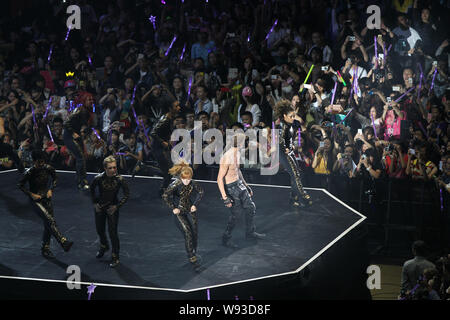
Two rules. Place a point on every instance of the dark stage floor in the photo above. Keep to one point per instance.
(152, 248)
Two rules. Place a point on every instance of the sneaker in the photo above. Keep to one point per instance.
(67, 245)
(101, 251)
(255, 235)
(46, 253)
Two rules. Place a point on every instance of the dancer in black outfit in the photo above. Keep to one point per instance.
(42, 181)
(289, 126)
(183, 196)
(73, 140)
(107, 206)
(161, 143)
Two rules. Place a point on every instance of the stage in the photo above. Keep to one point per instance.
(318, 253)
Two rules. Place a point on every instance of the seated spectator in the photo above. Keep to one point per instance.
(202, 103)
(249, 105)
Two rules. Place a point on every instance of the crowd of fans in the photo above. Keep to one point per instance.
(375, 98)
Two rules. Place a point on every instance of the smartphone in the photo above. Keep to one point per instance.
(440, 165)
(410, 80)
(412, 151)
(307, 86)
(274, 77)
(321, 144)
(435, 63)
(395, 88)
(359, 131)
(325, 68)
(352, 38)
(381, 55)
(389, 99)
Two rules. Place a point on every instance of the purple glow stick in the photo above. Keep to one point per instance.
(182, 52)
(48, 107)
(189, 90)
(91, 289)
(96, 134)
(171, 44)
(132, 98)
(334, 93)
(163, 2)
(93, 107)
(376, 50)
(67, 34)
(420, 68)
(248, 37)
(356, 80)
(420, 86)
(389, 48)
(401, 97)
(34, 117)
(50, 53)
(373, 125)
(271, 29)
(153, 21)
(299, 138)
(90, 60)
(347, 115)
(121, 153)
(207, 294)
(432, 81)
(50, 133)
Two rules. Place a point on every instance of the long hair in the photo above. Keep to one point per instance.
(182, 169)
(282, 108)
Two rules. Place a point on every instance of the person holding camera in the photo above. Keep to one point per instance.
(394, 160)
(345, 165)
(368, 166)
(419, 167)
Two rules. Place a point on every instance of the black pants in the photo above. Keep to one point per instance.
(44, 209)
(188, 227)
(100, 224)
(162, 156)
(76, 147)
(290, 165)
(242, 201)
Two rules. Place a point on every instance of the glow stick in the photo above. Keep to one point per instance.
(90, 60)
(342, 78)
(432, 81)
(334, 93)
(48, 107)
(153, 21)
(171, 44)
(50, 133)
(401, 97)
(376, 50)
(96, 134)
(34, 117)
(347, 115)
(189, 90)
(50, 53)
(299, 138)
(207, 294)
(182, 53)
(307, 77)
(67, 34)
(271, 29)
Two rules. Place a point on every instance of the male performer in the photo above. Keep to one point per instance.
(107, 206)
(73, 140)
(42, 180)
(236, 194)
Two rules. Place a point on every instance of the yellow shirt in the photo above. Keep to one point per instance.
(321, 166)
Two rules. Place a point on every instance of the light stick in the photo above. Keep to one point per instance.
(48, 107)
(401, 97)
(170, 46)
(306, 79)
(50, 133)
(271, 29)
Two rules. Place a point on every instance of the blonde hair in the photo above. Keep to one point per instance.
(182, 169)
(109, 159)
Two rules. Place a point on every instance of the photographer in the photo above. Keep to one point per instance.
(369, 165)
(344, 165)
(395, 160)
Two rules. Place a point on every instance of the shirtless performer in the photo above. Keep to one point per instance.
(236, 194)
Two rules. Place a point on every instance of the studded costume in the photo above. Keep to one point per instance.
(40, 181)
(108, 190)
(287, 137)
(161, 133)
(181, 196)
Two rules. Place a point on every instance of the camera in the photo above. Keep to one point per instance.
(352, 38)
(389, 148)
(363, 157)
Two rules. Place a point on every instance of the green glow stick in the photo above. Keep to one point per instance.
(307, 76)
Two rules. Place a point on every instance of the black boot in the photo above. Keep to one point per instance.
(46, 253)
(115, 261)
(66, 244)
(255, 235)
(226, 241)
(101, 251)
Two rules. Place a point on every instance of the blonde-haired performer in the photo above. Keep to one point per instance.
(183, 196)
(107, 206)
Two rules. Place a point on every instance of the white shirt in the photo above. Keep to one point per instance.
(256, 112)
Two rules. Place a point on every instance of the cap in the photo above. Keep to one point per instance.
(69, 84)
